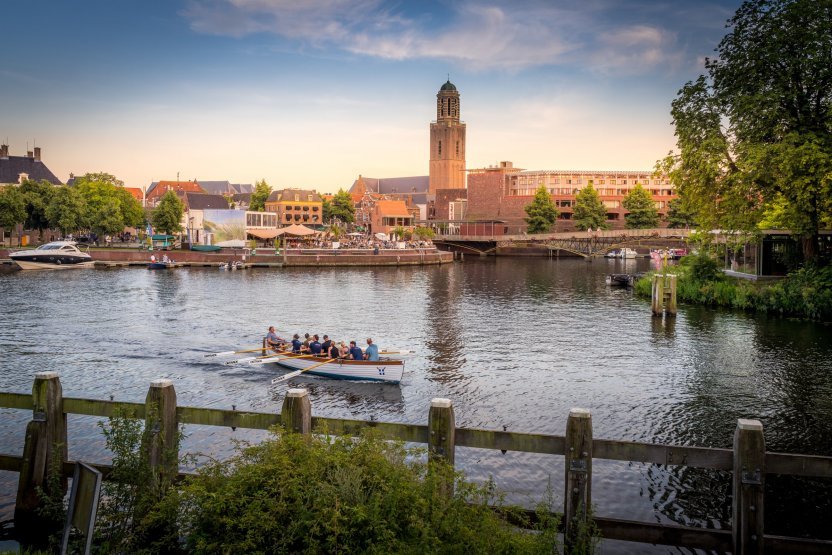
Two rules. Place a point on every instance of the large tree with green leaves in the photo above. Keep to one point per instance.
(38, 195)
(541, 212)
(12, 207)
(66, 210)
(261, 193)
(679, 215)
(109, 208)
(342, 207)
(641, 210)
(589, 212)
(758, 127)
(167, 217)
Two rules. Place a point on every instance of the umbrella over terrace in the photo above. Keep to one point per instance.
(296, 231)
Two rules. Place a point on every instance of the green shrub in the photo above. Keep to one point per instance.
(701, 267)
(291, 494)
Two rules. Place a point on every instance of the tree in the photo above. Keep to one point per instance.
(423, 233)
(66, 209)
(641, 210)
(589, 212)
(109, 207)
(167, 217)
(760, 124)
(541, 212)
(261, 193)
(37, 195)
(12, 207)
(131, 209)
(679, 215)
(342, 207)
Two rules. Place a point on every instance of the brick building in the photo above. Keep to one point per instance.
(296, 206)
(502, 192)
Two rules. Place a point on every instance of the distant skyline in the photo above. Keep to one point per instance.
(313, 93)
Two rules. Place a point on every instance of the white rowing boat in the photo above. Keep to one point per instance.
(387, 370)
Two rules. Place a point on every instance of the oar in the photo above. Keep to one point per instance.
(397, 352)
(226, 353)
(267, 358)
(290, 375)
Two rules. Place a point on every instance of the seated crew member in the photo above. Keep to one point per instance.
(355, 351)
(315, 346)
(327, 343)
(296, 344)
(334, 351)
(343, 350)
(372, 350)
(274, 341)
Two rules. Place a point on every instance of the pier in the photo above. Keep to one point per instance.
(747, 462)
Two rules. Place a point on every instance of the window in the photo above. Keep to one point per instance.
(457, 149)
(440, 148)
(297, 197)
(310, 198)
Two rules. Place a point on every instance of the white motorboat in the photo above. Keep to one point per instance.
(58, 255)
(627, 253)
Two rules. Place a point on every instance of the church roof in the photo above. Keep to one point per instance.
(396, 185)
(448, 86)
(204, 201)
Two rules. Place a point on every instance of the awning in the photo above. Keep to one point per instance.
(263, 233)
(296, 230)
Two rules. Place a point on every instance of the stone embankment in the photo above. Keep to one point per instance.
(314, 257)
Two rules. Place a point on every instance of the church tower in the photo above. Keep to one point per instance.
(447, 142)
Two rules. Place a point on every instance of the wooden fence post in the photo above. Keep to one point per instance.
(670, 296)
(45, 448)
(577, 499)
(749, 484)
(296, 414)
(441, 430)
(161, 430)
(657, 297)
(442, 441)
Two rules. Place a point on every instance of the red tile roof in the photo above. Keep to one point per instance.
(175, 186)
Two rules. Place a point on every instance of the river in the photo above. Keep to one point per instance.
(512, 342)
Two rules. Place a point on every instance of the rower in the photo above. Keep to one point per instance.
(274, 341)
(296, 344)
(355, 351)
(315, 346)
(372, 350)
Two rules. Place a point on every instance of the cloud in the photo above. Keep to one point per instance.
(477, 36)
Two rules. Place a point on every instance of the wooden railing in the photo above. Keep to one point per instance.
(750, 463)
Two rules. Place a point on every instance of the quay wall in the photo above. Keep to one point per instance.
(407, 257)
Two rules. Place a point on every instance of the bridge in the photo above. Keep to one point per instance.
(580, 243)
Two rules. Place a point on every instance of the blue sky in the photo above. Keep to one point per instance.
(312, 93)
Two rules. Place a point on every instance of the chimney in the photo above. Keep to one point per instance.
(30, 154)
(4, 151)
(37, 154)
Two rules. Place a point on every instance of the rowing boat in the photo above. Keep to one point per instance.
(387, 370)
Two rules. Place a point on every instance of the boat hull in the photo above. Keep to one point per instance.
(388, 371)
(33, 263)
(161, 265)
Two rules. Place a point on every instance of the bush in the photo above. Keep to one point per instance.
(293, 494)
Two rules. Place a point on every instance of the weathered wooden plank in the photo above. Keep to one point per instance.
(16, 401)
(414, 433)
(664, 534)
(442, 430)
(697, 457)
(780, 545)
(510, 441)
(228, 418)
(799, 465)
(160, 441)
(12, 463)
(96, 407)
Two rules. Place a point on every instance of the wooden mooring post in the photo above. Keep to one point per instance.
(664, 295)
(161, 432)
(442, 440)
(749, 484)
(577, 498)
(296, 414)
(45, 448)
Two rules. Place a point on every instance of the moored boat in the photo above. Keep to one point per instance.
(387, 370)
(161, 265)
(58, 255)
(620, 280)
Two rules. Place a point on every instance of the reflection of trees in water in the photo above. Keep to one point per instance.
(740, 366)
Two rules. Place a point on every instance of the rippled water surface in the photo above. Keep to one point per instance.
(513, 342)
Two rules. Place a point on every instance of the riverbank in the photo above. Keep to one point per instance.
(294, 257)
(805, 293)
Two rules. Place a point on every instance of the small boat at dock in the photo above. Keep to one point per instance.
(58, 255)
(385, 370)
(619, 280)
(162, 265)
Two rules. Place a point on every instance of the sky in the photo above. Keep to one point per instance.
(313, 93)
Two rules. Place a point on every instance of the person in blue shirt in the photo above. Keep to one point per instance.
(296, 344)
(371, 353)
(274, 341)
(355, 351)
(315, 347)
